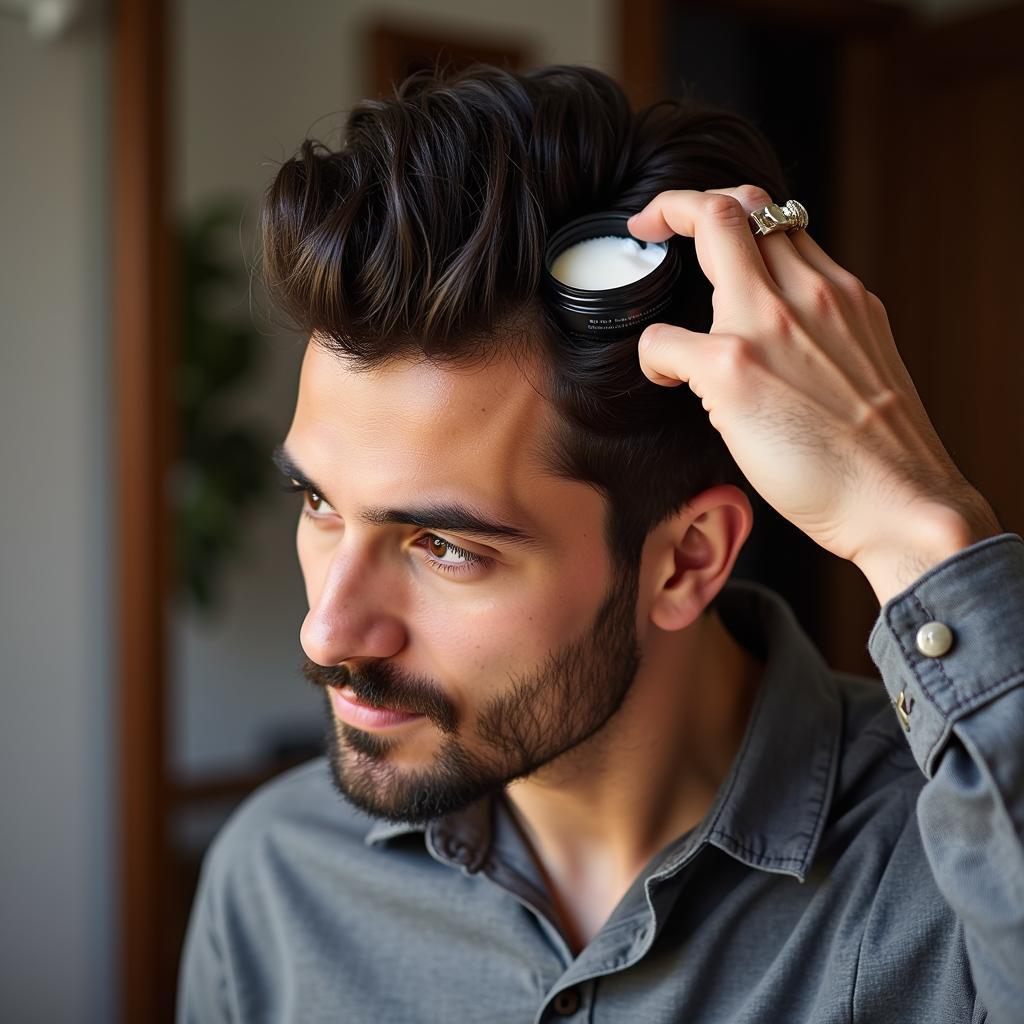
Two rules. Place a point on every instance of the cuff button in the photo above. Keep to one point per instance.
(934, 639)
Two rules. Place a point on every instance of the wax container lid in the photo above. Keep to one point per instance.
(608, 312)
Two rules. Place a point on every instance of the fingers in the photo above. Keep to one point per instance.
(814, 254)
(718, 223)
(783, 261)
(743, 268)
(819, 260)
(799, 267)
(668, 353)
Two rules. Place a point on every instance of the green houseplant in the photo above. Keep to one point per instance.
(223, 466)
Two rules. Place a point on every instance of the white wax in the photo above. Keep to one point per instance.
(606, 262)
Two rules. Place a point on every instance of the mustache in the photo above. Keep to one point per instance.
(385, 686)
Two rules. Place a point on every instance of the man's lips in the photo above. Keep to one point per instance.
(351, 710)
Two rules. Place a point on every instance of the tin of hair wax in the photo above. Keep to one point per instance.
(608, 312)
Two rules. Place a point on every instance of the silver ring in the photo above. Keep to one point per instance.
(791, 216)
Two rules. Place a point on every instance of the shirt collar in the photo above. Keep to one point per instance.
(771, 809)
(461, 838)
(381, 831)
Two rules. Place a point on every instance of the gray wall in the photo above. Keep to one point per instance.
(56, 956)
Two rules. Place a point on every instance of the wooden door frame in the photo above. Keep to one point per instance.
(143, 424)
(641, 33)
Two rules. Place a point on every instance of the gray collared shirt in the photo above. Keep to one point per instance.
(859, 863)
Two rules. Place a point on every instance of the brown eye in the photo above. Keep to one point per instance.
(314, 499)
(446, 552)
(449, 557)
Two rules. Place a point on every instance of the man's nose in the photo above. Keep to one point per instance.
(353, 616)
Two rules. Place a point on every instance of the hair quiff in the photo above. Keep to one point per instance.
(424, 234)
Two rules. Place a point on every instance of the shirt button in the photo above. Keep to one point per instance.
(934, 639)
(566, 1003)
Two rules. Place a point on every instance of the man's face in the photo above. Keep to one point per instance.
(451, 580)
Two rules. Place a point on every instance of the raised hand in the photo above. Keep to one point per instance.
(801, 377)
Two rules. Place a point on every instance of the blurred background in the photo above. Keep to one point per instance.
(151, 600)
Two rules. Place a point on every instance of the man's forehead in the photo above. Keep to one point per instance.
(422, 415)
(422, 393)
(436, 380)
(432, 435)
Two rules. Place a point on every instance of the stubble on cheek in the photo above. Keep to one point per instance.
(539, 714)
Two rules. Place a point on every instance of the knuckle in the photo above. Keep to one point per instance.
(657, 199)
(753, 197)
(823, 296)
(778, 316)
(734, 354)
(875, 305)
(725, 210)
(853, 287)
(853, 284)
(667, 197)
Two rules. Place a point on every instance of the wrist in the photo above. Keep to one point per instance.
(924, 538)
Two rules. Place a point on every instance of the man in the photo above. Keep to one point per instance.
(573, 770)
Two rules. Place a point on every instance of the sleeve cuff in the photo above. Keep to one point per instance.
(978, 594)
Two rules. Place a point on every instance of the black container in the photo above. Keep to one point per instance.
(608, 312)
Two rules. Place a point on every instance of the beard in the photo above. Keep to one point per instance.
(539, 716)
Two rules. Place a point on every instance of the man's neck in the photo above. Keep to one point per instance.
(597, 815)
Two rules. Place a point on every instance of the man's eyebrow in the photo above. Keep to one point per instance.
(290, 468)
(453, 516)
(445, 516)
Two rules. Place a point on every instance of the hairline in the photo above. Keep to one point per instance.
(480, 349)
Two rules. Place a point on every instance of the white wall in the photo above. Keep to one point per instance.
(57, 845)
(253, 79)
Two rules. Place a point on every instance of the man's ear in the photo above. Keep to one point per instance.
(693, 553)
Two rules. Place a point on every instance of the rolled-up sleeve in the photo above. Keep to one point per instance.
(950, 650)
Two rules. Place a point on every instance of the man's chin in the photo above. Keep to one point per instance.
(362, 741)
(367, 778)
(394, 799)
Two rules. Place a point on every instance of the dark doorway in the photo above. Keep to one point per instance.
(745, 61)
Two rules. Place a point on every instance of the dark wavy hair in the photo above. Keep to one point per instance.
(424, 235)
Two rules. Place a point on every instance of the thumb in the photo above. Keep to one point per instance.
(668, 354)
